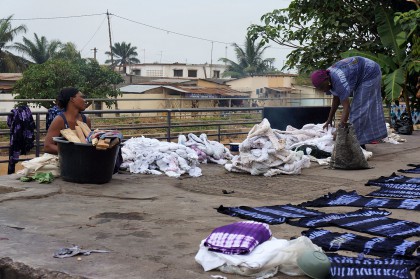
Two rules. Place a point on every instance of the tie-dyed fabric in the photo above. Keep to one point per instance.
(360, 78)
(416, 169)
(276, 214)
(403, 191)
(377, 246)
(366, 268)
(344, 198)
(393, 179)
(238, 238)
(372, 221)
(396, 186)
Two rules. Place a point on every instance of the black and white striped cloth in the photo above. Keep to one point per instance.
(377, 246)
(276, 214)
(344, 198)
(416, 169)
(372, 221)
(366, 268)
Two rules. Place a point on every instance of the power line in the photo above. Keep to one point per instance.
(93, 34)
(56, 17)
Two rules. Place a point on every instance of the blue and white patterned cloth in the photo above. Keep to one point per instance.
(238, 238)
(360, 78)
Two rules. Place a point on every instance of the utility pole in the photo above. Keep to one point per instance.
(211, 61)
(110, 40)
(94, 53)
(112, 58)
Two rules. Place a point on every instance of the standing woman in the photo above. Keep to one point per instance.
(359, 78)
(71, 100)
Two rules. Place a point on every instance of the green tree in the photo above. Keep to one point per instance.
(68, 51)
(39, 50)
(402, 67)
(8, 61)
(123, 55)
(250, 60)
(319, 31)
(44, 81)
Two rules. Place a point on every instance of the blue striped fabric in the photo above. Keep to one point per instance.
(360, 78)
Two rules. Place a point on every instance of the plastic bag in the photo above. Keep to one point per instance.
(347, 153)
(404, 125)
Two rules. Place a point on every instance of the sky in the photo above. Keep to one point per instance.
(149, 25)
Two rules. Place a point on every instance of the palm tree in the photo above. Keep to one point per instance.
(39, 50)
(123, 55)
(8, 61)
(68, 51)
(250, 60)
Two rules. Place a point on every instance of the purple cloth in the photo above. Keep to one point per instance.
(238, 238)
(318, 77)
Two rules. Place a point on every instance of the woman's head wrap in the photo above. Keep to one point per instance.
(318, 77)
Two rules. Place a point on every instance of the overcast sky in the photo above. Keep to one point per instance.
(224, 21)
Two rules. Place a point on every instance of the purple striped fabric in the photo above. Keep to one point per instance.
(238, 238)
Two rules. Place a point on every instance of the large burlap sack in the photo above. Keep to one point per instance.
(347, 153)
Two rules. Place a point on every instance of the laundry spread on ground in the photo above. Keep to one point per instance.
(276, 214)
(416, 169)
(372, 221)
(238, 238)
(207, 150)
(366, 268)
(396, 186)
(393, 179)
(45, 163)
(403, 191)
(150, 156)
(263, 262)
(263, 152)
(344, 198)
(377, 246)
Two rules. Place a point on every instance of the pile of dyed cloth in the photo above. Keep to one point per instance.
(150, 156)
(207, 150)
(264, 152)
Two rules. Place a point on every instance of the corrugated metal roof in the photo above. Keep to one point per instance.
(10, 76)
(139, 89)
(212, 90)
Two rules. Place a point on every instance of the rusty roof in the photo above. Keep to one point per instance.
(211, 90)
(10, 76)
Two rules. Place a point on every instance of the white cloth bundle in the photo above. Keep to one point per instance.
(150, 156)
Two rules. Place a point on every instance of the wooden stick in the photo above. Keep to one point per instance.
(70, 135)
(80, 134)
(85, 128)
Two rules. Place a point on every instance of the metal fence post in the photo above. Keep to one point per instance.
(218, 133)
(168, 129)
(38, 129)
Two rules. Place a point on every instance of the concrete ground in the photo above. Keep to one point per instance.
(153, 224)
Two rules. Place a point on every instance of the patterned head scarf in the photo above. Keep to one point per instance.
(318, 77)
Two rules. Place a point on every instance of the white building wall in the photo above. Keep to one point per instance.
(167, 70)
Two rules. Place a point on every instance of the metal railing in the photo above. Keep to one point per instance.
(168, 125)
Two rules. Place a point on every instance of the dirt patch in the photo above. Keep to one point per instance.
(11, 270)
(5, 190)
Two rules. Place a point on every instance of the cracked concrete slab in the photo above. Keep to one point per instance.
(152, 225)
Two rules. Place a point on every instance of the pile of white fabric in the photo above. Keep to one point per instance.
(207, 150)
(264, 152)
(151, 156)
(310, 134)
(392, 137)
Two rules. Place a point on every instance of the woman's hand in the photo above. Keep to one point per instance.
(327, 124)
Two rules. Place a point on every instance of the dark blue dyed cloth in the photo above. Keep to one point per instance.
(51, 114)
(22, 135)
(416, 169)
(365, 268)
(275, 214)
(393, 179)
(377, 246)
(344, 198)
(372, 221)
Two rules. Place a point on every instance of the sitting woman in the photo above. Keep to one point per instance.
(72, 102)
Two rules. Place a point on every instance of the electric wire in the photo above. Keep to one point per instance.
(100, 25)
